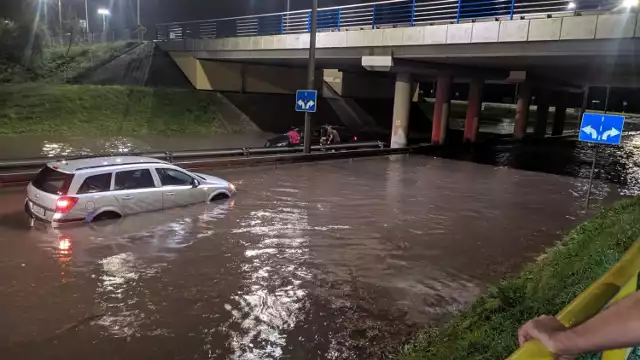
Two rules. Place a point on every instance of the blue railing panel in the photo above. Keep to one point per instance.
(329, 19)
(472, 9)
(389, 13)
(226, 28)
(393, 13)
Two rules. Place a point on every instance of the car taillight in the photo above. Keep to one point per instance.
(355, 138)
(64, 204)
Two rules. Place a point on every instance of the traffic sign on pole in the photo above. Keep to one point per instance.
(306, 100)
(601, 128)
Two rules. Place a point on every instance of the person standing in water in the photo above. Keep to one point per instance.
(332, 136)
(294, 136)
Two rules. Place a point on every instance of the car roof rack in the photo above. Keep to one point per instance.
(119, 164)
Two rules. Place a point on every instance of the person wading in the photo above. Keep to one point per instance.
(332, 136)
(294, 136)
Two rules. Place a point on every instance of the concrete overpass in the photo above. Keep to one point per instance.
(548, 53)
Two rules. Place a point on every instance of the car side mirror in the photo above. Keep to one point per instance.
(195, 183)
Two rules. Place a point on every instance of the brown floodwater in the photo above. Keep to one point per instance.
(328, 260)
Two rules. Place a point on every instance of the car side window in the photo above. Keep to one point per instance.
(171, 177)
(95, 184)
(134, 179)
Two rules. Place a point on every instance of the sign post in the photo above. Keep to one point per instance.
(599, 129)
(311, 75)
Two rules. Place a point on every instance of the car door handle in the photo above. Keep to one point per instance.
(170, 194)
(128, 197)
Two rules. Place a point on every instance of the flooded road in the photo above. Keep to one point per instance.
(330, 260)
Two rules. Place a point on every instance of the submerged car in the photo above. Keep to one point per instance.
(111, 187)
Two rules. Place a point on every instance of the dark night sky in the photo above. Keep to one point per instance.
(157, 11)
(177, 10)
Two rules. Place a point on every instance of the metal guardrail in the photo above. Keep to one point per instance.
(620, 281)
(171, 156)
(391, 13)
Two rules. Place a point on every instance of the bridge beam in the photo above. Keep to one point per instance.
(401, 108)
(441, 110)
(474, 108)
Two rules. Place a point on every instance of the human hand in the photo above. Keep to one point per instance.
(545, 329)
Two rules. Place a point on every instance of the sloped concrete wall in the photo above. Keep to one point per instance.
(239, 77)
(360, 85)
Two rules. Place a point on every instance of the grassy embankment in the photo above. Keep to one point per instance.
(37, 101)
(87, 110)
(59, 63)
(487, 330)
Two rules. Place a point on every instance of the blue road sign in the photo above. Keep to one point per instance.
(306, 100)
(601, 128)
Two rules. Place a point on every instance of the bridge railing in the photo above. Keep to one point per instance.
(619, 282)
(391, 13)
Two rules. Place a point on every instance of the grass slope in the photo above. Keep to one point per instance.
(59, 63)
(39, 108)
(487, 330)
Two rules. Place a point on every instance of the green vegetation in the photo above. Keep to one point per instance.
(487, 330)
(60, 63)
(103, 110)
(35, 100)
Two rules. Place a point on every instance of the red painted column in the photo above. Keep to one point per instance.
(441, 110)
(522, 110)
(474, 108)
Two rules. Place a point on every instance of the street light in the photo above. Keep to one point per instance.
(104, 12)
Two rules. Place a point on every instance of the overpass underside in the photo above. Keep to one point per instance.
(548, 57)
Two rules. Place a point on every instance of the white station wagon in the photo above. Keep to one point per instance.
(111, 187)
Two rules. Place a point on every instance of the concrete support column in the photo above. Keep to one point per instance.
(473, 110)
(522, 110)
(542, 100)
(585, 103)
(401, 108)
(560, 114)
(441, 110)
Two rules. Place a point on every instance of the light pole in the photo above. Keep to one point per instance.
(60, 14)
(140, 34)
(311, 75)
(104, 13)
(287, 14)
(86, 15)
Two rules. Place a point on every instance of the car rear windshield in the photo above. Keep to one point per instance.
(52, 181)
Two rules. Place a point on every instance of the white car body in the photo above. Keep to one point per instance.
(110, 187)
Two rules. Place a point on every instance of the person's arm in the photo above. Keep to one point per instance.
(614, 328)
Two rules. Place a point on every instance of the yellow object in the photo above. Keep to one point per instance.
(620, 281)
